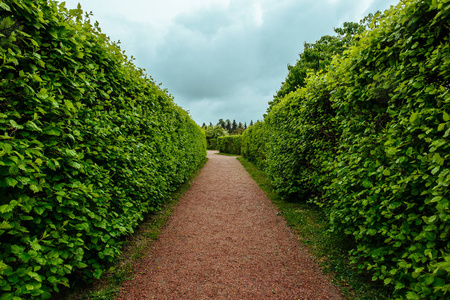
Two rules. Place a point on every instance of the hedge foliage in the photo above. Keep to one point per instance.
(211, 144)
(212, 133)
(230, 144)
(368, 140)
(253, 143)
(89, 144)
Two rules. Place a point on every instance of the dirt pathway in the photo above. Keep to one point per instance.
(226, 241)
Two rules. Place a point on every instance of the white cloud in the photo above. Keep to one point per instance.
(258, 13)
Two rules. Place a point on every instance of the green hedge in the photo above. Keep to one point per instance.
(230, 144)
(368, 140)
(298, 150)
(253, 143)
(212, 144)
(88, 146)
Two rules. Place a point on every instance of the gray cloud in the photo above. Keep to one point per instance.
(227, 61)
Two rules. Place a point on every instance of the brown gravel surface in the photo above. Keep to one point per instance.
(226, 241)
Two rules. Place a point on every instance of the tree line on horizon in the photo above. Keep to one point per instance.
(223, 128)
(230, 127)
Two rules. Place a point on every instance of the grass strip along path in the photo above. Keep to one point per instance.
(225, 240)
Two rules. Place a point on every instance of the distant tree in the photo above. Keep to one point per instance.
(238, 131)
(210, 124)
(228, 125)
(209, 132)
(251, 123)
(234, 126)
(215, 132)
(231, 126)
(222, 124)
(204, 125)
(212, 133)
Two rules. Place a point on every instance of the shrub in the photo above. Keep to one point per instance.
(88, 145)
(254, 142)
(230, 144)
(302, 137)
(212, 133)
(212, 144)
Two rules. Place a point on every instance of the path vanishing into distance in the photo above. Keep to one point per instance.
(226, 241)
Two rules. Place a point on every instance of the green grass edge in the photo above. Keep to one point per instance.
(329, 250)
(134, 249)
(225, 154)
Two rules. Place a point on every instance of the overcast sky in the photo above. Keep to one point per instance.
(222, 59)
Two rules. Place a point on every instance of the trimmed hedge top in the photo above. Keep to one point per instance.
(230, 144)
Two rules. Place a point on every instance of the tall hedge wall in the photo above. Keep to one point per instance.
(253, 143)
(368, 140)
(230, 144)
(211, 144)
(88, 146)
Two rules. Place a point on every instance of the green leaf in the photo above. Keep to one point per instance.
(7, 148)
(71, 152)
(5, 6)
(53, 164)
(35, 276)
(436, 199)
(53, 131)
(15, 125)
(37, 77)
(69, 105)
(16, 249)
(35, 245)
(8, 296)
(435, 170)
(34, 188)
(5, 208)
(39, 210)
(445, 116)
(14, 170)
(52, 279)
(367, 184)
(33, 126)
(43, 94)
(3, 266)
(53, 33)
(417, 84)
(432, 218)
(11, 181)
(428, 280)
(413, 117)
(98, 273)
(5, 225)
(38, 161)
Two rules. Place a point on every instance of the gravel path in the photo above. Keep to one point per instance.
(226, 241)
